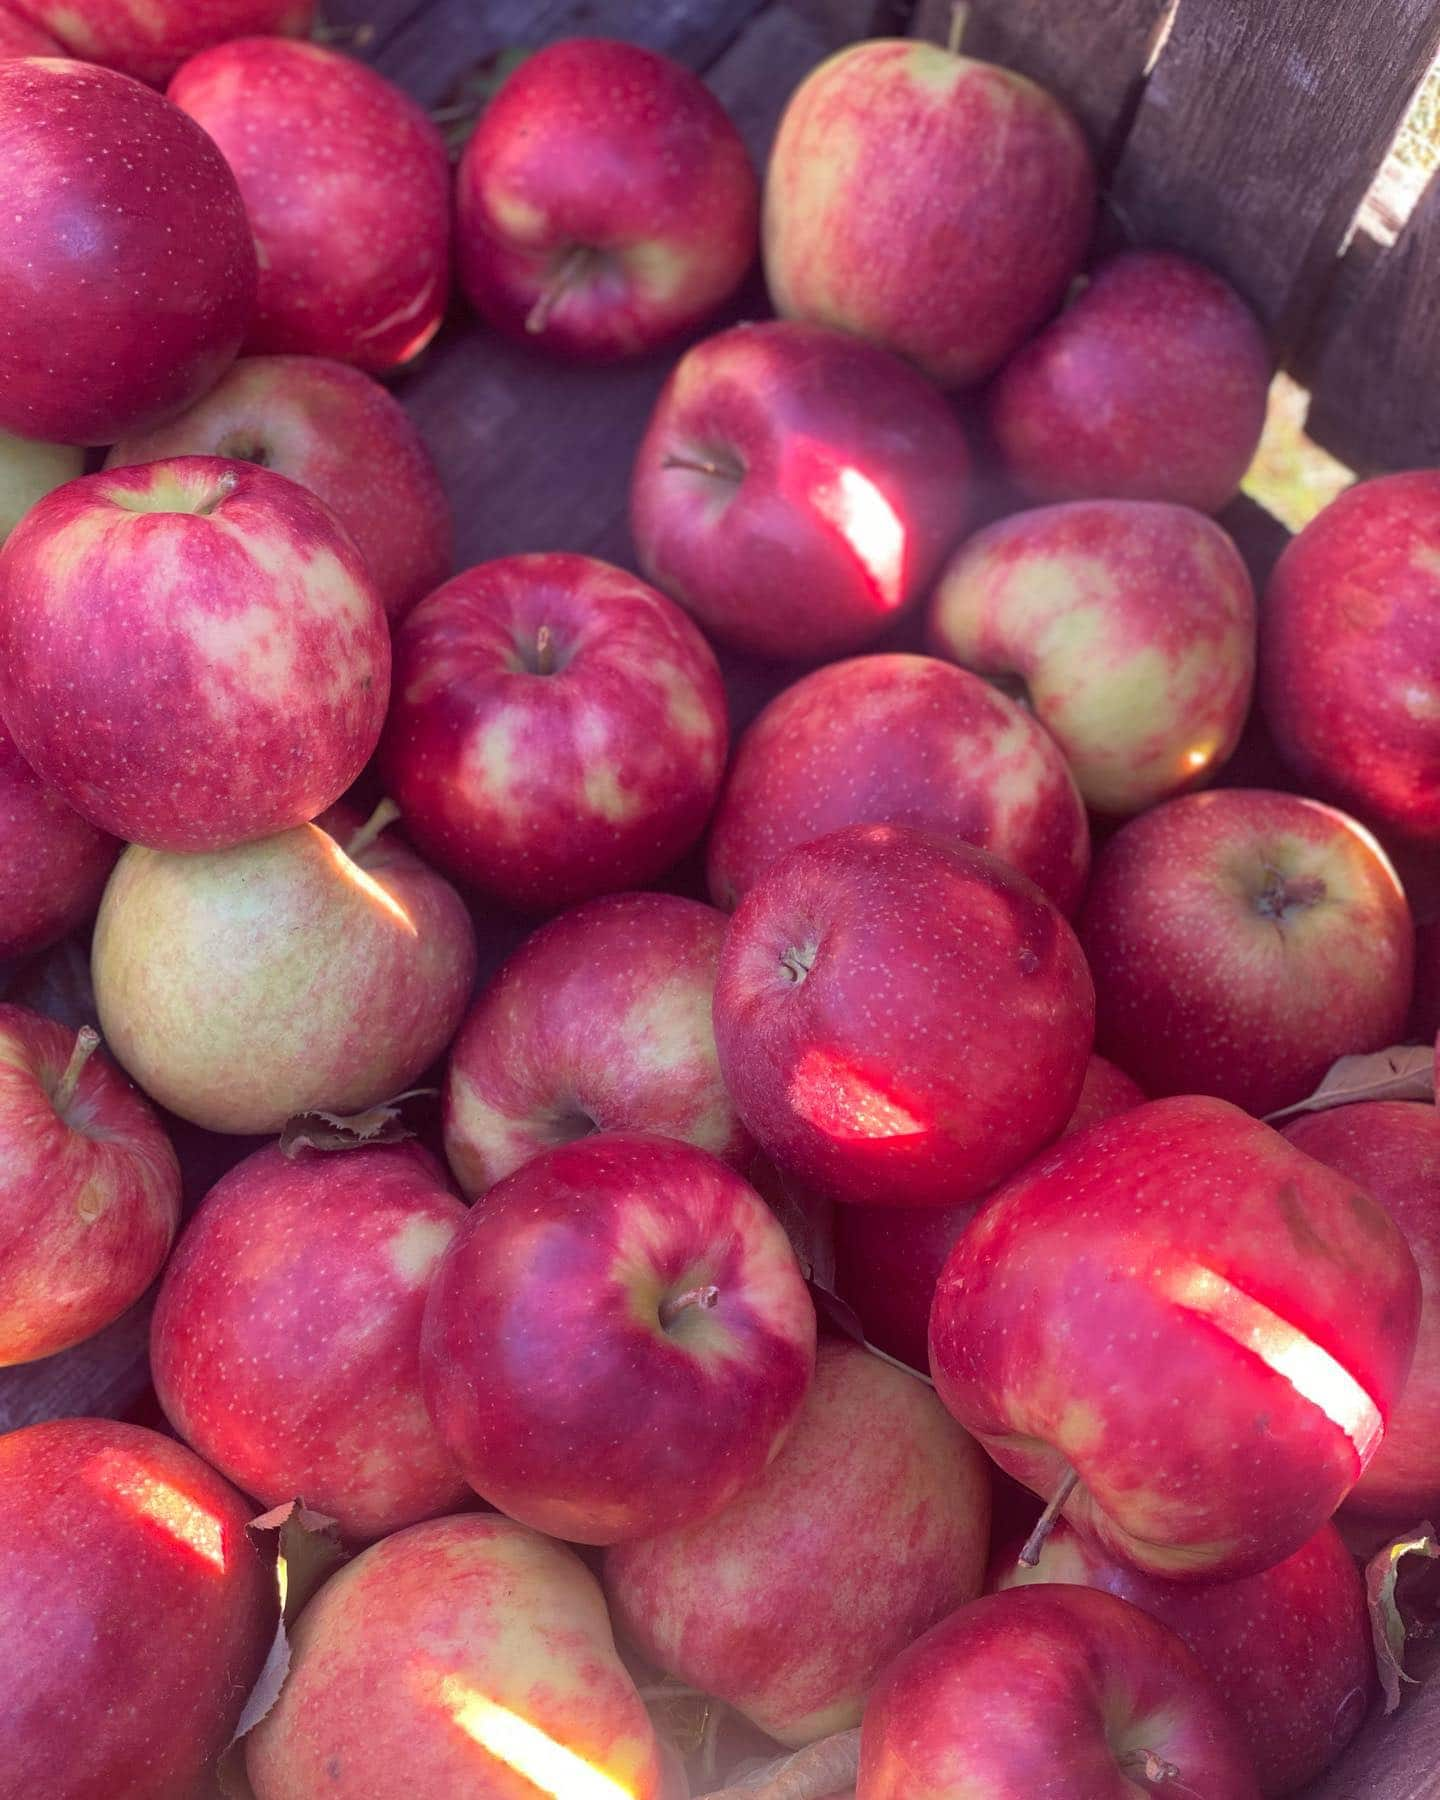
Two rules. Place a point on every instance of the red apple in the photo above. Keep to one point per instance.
(1151, 385)
(29, 471)
(127, 270)
(231, 675)
(618, 1339)
(797, 489)
(1349, 650)
(1288, 1650)
(871, 1524)
(53, 864)
(340, 434)
(465, 1656)
(1243, 940)
(89, 1189)
(134, 1610)
(1392, 1149)
(605, 203)
(1128, 626)
(900, 1017)
(600, 1021)
(931, 203)
(888, 1258)
(558, 730)
(151, 38)
(899, 740)
(1049, 1690)
(304, 971)
(1206, 1327)
(347, 187)
(18, 37)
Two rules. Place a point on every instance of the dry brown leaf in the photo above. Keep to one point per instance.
(821, 1771)
(1387, 1623)
(380, 1124)
(1404, 1072)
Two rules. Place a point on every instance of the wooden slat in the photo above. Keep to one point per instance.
(102, 1377)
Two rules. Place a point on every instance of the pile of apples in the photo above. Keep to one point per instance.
(631, 1347)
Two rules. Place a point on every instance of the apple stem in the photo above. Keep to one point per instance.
(544, 652)
(959, 19)
(1155, 1770)
(87, 1042)
(1045, 1524)
(706, 1298)
(699, 467)
(567, 272)
(384, 815)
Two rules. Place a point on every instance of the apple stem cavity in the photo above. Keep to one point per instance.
(568, 271)
(699, 465)
(384, 815)
(1045, 1524)
(959, 19)
(797, 961)
(544, 651)
(704, 1299)
(1155, 1771)
(1280, 896)
(87, 1042)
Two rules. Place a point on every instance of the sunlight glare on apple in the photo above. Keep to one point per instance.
(367, 885)
(151, 1497)
(550, 1767)
(867, 521)
(846, 1105)
(1198, 757)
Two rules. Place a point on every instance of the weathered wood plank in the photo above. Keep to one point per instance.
(101, 1378)
(1259, 131)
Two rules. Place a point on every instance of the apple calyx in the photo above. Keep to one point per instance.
(87, 1042)
(721, 468)
(1155, 1771)
(1280, 896)
(1045, 1524)
(703, 1299)
(384, 815)
(574, 266)
(797, 961)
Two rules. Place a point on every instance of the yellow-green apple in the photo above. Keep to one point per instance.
(797, 489)
(1349, 651)
(465, 1656)
(192, 652)
(605, 203)
(931, 203)
(1127, 625)
(558, 730)
(1050, 1690)
(18, 37)
(336, 431)
(285, 1346)
(1151, 385)
(871, 1524)
(1183, 1328)
(899, 740)
(1243, 940)
(53, 863)
(347, 187)
(134, 1610)
(888, 1258)
(900, 1017)
(1392, 1149)
(149, 39)
(618, 1339)
(600, 1021)
(307, 970)
(127, 269)
(89, 1188)
(28, 471)
(1288, 1649)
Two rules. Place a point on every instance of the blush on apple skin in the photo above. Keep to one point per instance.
(1349, 645)
(558, 730)
(1151, 385)
(901, 1018)
(933, 204)
(871, 1524)
(1288, 1650)
(605, 203)
(600, 1021)
(151, 40)
(347, 186)
(1392, 1149)
(456, 1657)
(53, 864)
(1208, 1327)
(127, 269)
(135, 1612)
(1240, 942)
(1048, 1690)
(797, 489)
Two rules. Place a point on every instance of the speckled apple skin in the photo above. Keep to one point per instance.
(206, 670)
(149, 39)
(53, 863)
(395, 1644)
(871, 1524)
(89, 1198)
(1201, 991)
(543, 790)
(28, 471)
(1098, 1263)
(931, 203)
(899, 740)
(18, 37)
(1036, 1695)
(245, 986)
(783, 559)
(1151, 385)
(610, 147)
(127, 270)
(92, 1584)
(1131, 624)
(939, 1035)
(1288, 1649)
(553, 1380)
(1392, 1148)
(340, 434)
(347, 186)
(1350, 649)
(600, 1021)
